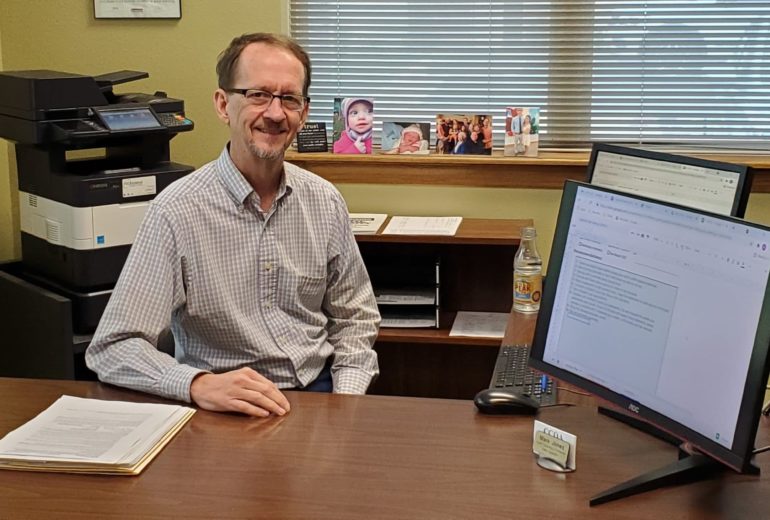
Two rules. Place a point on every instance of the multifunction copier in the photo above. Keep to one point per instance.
(89, 162)
(79, 211)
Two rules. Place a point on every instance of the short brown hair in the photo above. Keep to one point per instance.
(228, 58)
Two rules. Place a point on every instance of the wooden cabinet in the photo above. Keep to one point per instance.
(475, 273)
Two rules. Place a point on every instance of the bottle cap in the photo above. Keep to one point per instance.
(528, 232)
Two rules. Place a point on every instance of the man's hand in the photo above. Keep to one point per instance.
(243, 390)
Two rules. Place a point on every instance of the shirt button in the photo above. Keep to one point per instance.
(268, 266)
(267, 305)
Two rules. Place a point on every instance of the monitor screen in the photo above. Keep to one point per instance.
(662, 310)
(713, 186)
(138, 118)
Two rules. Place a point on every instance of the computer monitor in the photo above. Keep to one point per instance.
(664, 311)
(718, 187)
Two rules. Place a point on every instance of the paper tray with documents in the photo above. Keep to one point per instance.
(407, 296)
(409, 319)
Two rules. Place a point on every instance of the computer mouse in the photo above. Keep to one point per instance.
(499, 401)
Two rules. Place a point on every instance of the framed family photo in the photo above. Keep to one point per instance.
(464, 134)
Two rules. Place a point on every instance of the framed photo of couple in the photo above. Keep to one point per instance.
(522, 126)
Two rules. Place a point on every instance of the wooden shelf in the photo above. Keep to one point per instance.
(476, 274)
(433, 336)
(547, 171)
(471, 231)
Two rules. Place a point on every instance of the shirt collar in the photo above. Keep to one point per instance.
(237, 185)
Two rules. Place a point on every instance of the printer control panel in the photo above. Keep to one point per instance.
(139, 118)
(85, 112)
(175, 120)
(119, 120)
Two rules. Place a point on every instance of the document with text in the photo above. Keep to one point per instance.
(480, 324)
(366, 223)
(445, 226)
(78, 435)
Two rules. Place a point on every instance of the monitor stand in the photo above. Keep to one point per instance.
(690, 467)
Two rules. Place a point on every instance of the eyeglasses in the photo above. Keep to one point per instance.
(261, 98)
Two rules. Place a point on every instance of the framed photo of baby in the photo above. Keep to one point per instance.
(405, 137)
(522, 126)
(464, 134)
(353, 125)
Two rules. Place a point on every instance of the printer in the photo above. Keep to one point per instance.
(89, 163)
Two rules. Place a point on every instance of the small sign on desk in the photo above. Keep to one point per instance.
(312, 138)
(554, 449)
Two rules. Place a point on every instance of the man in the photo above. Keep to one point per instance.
(515, 130)
(250, 261)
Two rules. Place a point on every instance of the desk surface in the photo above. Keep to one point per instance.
(370, 457)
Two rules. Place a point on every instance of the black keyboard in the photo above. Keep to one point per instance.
(512, 373)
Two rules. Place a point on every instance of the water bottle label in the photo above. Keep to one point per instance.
(527, 289)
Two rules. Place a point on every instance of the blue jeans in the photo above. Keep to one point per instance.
(322, 383)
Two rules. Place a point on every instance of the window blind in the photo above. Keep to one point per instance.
(687, 73)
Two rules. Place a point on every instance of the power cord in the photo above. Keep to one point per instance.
(556, 404)
(565, 389)
(761, 450)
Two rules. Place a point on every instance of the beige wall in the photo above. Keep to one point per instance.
(179, 55)
(8, 248)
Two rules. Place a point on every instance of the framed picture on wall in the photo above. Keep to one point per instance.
(137, 9)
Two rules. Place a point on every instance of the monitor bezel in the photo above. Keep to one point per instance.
(742, 190)
(738, 456)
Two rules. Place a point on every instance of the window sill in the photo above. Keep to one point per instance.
(547, 171)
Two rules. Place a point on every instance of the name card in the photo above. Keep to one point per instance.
(554, 449)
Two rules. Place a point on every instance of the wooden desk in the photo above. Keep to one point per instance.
(368, 457)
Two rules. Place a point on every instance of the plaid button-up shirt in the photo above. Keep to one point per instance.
(279, 291)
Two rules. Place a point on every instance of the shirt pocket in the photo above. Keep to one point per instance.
(311, 291)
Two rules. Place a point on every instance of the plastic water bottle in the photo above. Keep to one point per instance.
(527, 273)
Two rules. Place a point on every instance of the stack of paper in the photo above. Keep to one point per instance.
(406, 296)
(76, 435)
(480, 324)
(421, 320)
(446, 226)
(366, 223)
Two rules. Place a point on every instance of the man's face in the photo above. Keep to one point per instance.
(262, 132)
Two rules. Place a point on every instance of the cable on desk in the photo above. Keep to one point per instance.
(761, 450)
(556, 404)
(564, 389)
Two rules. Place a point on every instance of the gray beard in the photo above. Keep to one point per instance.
(265, 156)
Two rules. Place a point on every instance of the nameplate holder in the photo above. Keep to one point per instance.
(554, 449)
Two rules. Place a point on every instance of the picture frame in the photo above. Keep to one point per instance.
(137, 9)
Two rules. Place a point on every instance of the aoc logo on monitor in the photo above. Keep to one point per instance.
(634, 408)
